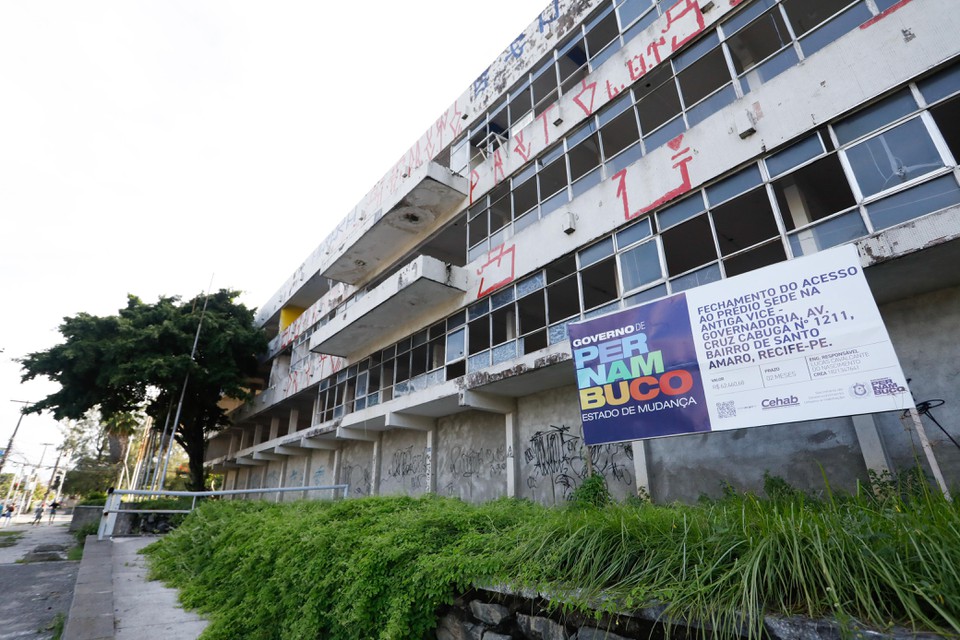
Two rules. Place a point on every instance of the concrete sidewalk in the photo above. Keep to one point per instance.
(114, 600)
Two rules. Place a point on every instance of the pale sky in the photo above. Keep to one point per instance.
(149, 146)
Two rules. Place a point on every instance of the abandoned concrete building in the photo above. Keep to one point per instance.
(618, 151)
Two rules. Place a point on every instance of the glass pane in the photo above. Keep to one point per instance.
(587, 182)
(501, 297)
(552, 178)
(554, 203)
(558, 333)
(601, 31)
(828, 234)
(665, 134)
(703, 77)
(645, 296)
(479, 361)
(477, 309)
(913, 203)
(794, 155)
(711, 105)
(596, 252)
(504, 352)
(695, 279)
(893, 157)
(531, 284)
(625, 159)
(737, 183)
(630, 10)
(837, 27)
(683, 210)
(762, 256)
(759, 41)
(634, 233)
(875, 117)
(737, 22)
(806, 14)
(640, 266)
(770, 69)
(941, 85)
(599, 311)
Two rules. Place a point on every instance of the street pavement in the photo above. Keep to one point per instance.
(107, 596)
(35, 593)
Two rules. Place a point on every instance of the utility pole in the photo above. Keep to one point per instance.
(56, 465)
(6, 452)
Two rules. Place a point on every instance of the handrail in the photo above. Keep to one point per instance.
(112, 506)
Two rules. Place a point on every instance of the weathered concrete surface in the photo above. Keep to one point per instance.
(34, 593)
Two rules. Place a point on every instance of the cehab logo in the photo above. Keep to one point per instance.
(859, 390)
(780, 403)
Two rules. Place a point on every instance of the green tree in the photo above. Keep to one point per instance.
(140, 358)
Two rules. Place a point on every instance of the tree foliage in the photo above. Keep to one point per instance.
(140, 358)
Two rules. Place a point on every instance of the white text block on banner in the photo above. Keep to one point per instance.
(798, 340)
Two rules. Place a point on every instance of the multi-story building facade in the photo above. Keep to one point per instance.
(616, 152)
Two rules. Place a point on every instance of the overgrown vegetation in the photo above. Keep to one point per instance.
(382, 566)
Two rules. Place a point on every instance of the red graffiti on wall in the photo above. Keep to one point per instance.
(474, 181)
(543, 118)
(498, 270)
(680, 163)
(684, 23)
(883, 14)
(584, 90)
(498, 173)
(520, 148)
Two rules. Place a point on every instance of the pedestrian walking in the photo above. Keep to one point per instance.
(6, 516)
(38, 514)
(53, 511)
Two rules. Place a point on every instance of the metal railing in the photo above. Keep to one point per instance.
(114, 503)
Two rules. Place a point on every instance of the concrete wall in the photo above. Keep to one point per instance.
(472, 456)
(552, 457)
(924, 333)
(404, 467)
(356, 468)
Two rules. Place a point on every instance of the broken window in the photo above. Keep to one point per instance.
(688, 245)
(524, 197)
(552, 178)
(636, 15)
(812, 193)
(806, 17)
(762, 49)
(894, 157)
(829, 233)
(544, 87)
(947, 116)
(563, 299)
(657, 99)
(618, 134)
(585, 155)
(601, 31)
(701, 70)
(503, 323)
(479, 332)
(744, 221)
(761, 256)
(572, 64)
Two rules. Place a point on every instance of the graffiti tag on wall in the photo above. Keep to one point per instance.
(556, 456)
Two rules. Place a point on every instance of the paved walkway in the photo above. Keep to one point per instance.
(114, 600)
(34, 593)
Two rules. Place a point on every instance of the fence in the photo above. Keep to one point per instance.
(114, 503)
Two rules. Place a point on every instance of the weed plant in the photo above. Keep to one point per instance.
(380, 567)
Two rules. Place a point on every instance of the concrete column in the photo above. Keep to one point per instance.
(307, 464)
(294, 419)
(337, 463)
(431, 466)
(274, 428)
(511, 430)
(375, 465)
(244, 434)
(871, 446)
(257, 433)
(640, 467)
(283, 478)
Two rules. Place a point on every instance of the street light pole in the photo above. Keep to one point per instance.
(6, 452)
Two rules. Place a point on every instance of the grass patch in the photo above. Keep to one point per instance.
(340, 569)
(9, 538)
(75, 554)
(56, 626)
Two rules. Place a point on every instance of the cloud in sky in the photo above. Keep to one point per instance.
(147, 146)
